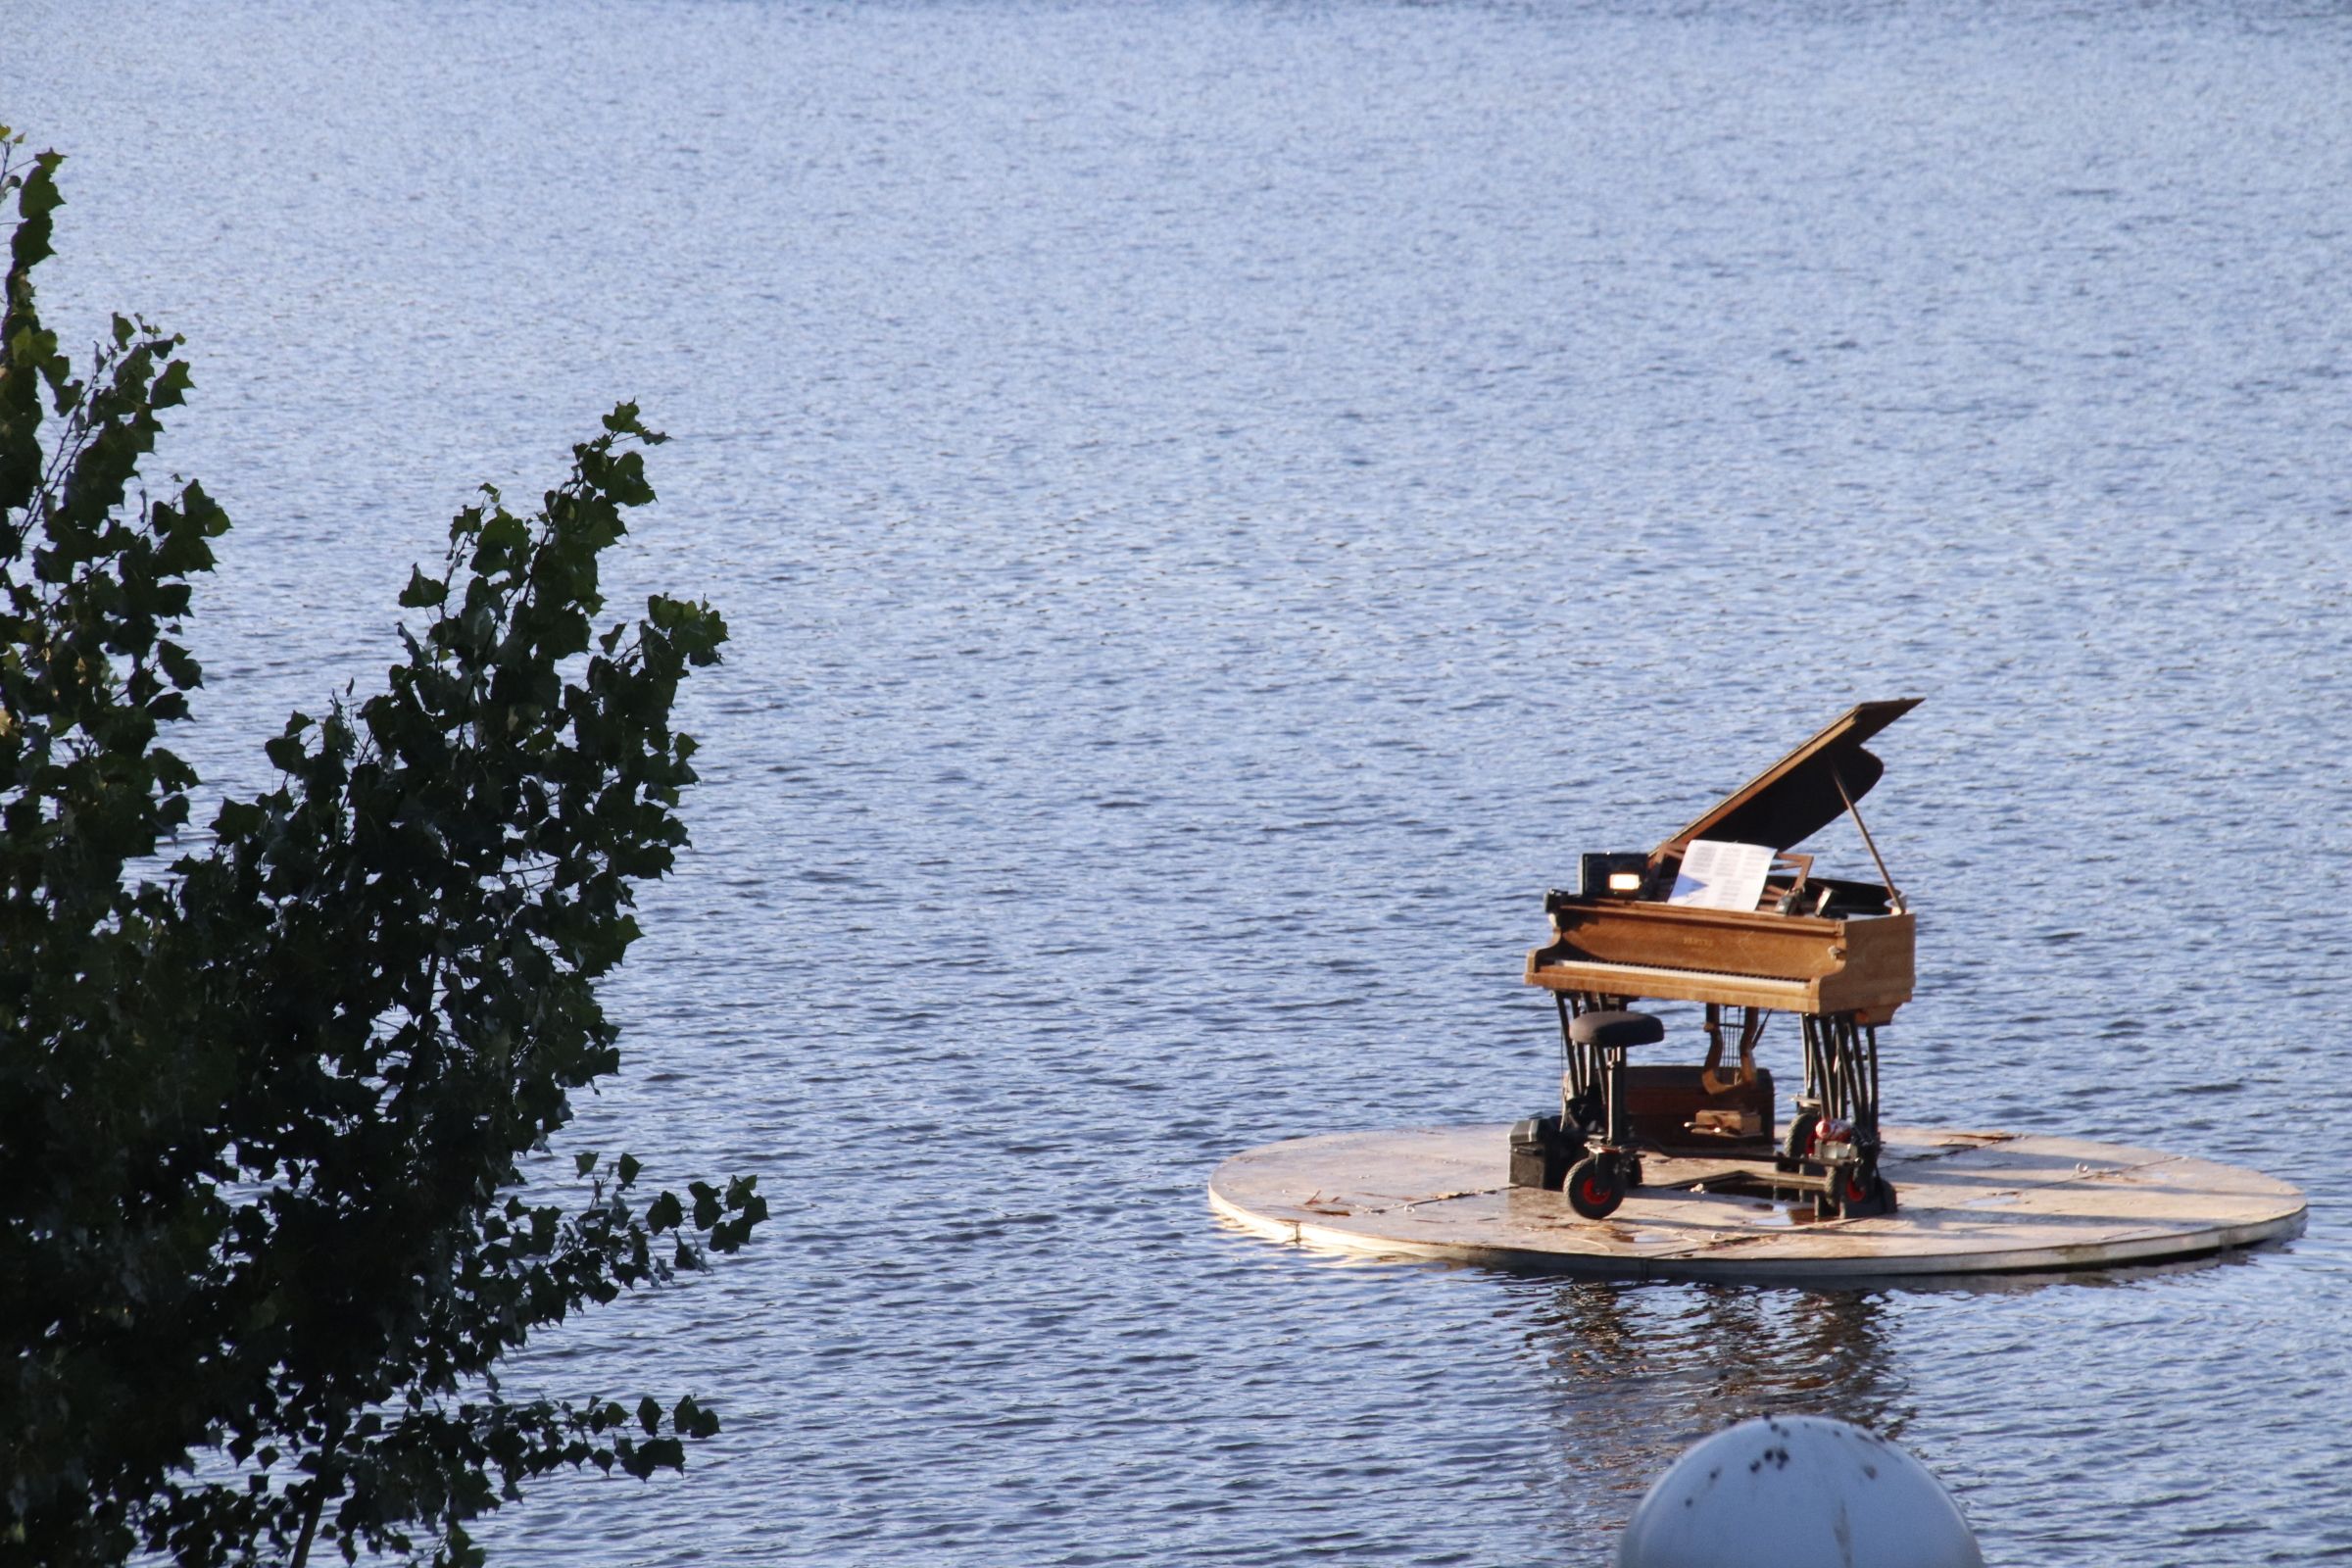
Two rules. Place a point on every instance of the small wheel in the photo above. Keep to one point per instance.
(1595, 1187)
(1861, 1197)
(1800, 1138)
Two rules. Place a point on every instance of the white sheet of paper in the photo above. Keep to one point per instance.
(1718, 874)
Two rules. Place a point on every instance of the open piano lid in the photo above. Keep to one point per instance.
(1797, 796)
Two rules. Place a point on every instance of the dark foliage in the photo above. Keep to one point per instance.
(263, 1109)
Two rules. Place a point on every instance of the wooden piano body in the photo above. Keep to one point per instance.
(1781, 962)
(1815, 946)
(1836, 954)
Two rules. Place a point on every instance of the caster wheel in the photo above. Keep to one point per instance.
(1800, 1138)
(1861, 1197)
(1595, 1187)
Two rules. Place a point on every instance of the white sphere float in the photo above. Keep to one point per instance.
(1797, 1492)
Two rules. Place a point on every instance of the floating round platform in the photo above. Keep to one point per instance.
(1970, 1203)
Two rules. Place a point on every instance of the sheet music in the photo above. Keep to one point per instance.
(1718, 874)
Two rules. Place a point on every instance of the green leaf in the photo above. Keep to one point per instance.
(236, 820)
(184, 673)
(505, 533)
(422, 592)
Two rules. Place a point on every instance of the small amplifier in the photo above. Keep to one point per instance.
(1612, 876)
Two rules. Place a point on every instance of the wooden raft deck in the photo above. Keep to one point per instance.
(1972, 1204)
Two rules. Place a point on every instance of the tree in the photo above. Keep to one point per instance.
(265, 1108)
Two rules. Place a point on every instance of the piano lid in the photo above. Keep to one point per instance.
(1797, 796)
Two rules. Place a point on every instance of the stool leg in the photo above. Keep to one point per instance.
(1617, 1131)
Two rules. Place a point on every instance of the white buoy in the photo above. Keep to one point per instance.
(1797, 1492)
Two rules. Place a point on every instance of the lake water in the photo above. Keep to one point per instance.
(1217, 505)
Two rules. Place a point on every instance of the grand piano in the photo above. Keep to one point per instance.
(1727, 913)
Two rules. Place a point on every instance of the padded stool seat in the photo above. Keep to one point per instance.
(1616, 1029)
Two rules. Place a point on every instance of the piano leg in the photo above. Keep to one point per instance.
(1837, 1134)
(1864, 1192)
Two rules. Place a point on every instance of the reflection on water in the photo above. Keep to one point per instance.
(1632, 1375)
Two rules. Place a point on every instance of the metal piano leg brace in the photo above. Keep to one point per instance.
(1842, 1103)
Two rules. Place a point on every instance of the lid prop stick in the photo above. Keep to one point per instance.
(1893, 896)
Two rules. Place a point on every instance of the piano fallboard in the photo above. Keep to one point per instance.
(1672, 953)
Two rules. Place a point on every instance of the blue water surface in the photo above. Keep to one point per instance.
(1217, 504)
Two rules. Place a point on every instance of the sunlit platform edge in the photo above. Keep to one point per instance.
(1970, 1203)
